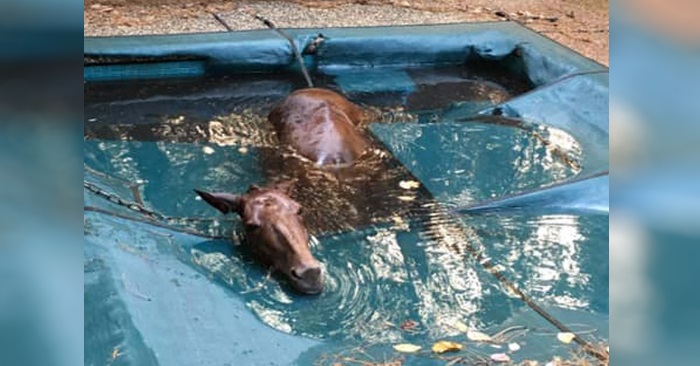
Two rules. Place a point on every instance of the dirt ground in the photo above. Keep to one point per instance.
(579, 24)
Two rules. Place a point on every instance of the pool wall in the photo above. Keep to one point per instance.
(544, 61)
(571, 91)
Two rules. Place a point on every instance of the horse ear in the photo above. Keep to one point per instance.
(224, 202)
(284, 186)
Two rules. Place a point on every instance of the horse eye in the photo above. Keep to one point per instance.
(252, 227)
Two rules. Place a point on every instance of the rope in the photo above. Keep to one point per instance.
(487, 265)
(268, 23)
(152, 222)
(295, 50)
(149, 216)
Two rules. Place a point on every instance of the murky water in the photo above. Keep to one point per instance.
(398, 265)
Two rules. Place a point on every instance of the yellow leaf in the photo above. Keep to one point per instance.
(446, 346)
(407, 348)
(566, 337)
(460, 326)
(478, 336)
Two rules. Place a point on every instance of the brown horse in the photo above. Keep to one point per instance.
(275, 232)
(320, 125)
(324, 127)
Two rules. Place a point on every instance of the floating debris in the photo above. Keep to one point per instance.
(409, 325)
(460, 326)
(116, 353)
(407, 348)
(477, 336)
(566, 337)
(446, 346)
(500, 357)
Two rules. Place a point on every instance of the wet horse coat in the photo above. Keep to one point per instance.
(344, 176)
(275, 232)
(320, 125)
(325, 128)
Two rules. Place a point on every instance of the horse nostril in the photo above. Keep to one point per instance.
(306, 273)
(313, 273)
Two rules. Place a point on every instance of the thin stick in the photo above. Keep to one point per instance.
(222, 21)
(295, 50)
(136, 193)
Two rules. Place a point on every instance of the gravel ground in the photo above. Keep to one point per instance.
(581, 25)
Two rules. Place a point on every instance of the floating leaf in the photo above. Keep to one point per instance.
(409, 184)
(446, 346)
(566, 337)
(478, 336)
(407, 348)
(409, 325)
(500, 357)
(460, 326)
(513, 347)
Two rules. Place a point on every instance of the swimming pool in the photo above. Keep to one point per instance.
(504, 130)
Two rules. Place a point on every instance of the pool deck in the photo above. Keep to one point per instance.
(580, 25)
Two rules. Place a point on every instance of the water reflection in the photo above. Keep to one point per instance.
(381, 277)
(466, 162)
(559, 259)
